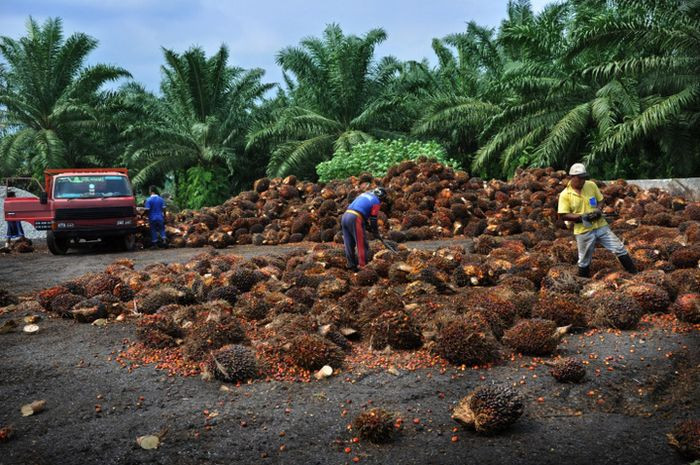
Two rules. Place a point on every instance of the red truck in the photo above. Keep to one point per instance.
(80, 204)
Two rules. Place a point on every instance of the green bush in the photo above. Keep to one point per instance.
(376, 157)
(200, 187)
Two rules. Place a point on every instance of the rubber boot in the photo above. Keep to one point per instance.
(627, 263)
(584, 271)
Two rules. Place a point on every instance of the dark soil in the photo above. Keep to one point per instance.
(639, 384)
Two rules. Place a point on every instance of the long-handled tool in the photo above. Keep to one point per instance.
(384, 243)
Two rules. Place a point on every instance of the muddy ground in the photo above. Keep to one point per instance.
(639, 384)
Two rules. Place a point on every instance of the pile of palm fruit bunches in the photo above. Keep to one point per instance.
(427, 200)
(513, 289)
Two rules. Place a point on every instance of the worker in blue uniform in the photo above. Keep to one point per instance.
(361, 215)
(156, 218)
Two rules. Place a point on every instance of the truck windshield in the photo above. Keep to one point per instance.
(91, 186)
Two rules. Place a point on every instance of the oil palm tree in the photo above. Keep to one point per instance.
(338, 97)
(463, 94)
(613, 83)
(200, 122)
(661, 56)
(50, 97)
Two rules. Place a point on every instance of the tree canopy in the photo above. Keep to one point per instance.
(613, 83)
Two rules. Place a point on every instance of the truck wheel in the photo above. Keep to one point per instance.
(57, 245)
(129, 242)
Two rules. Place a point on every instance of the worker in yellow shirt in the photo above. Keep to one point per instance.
(580, 203)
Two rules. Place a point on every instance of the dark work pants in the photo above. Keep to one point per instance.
(157, 228)
(354, 235)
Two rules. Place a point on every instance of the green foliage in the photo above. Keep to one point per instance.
(200, 187)
(376, 157)
(206, 110)
(613, 83)
(339, 96)
(52, 107)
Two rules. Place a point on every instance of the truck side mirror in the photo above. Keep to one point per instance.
(43, 198)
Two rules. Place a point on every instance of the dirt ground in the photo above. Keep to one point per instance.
(639, 384)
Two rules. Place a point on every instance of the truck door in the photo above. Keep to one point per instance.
(34, 208)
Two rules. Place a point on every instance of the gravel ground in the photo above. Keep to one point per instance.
(639, 384)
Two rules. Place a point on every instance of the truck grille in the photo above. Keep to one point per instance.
(94, 213)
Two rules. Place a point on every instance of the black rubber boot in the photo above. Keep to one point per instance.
(627, 263)
(584, 271)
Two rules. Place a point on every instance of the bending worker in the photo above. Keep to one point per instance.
(361, 214)
(580, 203)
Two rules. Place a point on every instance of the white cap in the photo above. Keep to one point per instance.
(578, 169)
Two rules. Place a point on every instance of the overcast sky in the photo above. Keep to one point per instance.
(132, 32)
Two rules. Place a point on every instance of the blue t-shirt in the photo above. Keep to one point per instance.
(366, 204)
(155, 205)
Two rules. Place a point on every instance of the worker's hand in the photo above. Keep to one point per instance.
(373, 227)
(592, 216)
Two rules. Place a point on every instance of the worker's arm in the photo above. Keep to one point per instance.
(373, 226)
(573, 217)
(564, 210)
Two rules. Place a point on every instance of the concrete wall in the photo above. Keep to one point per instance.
(689, 188)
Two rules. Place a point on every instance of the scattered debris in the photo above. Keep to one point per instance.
(31, 329)
(324, 372)
(35, 407)
(148, 442)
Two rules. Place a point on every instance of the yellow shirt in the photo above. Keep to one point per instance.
(571, 202)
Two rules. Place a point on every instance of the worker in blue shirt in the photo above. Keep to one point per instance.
(156, 217)
(361, 213)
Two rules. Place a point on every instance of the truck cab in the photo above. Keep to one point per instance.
(80, 204)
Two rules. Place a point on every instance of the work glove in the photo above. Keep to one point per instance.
(373, 227)
(592, 216)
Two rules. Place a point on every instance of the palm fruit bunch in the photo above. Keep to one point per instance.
(63, 303)
(394, 328)
(568, 370)
(687, 308)
(685, 438)
(489, 409)
(375, 425)
(311, 352)
(243, 279)
(88, 310)
(233, 363)
(649, 297)
(102, 283)
(152, 299)
(367, 276)
(227, 293)
(613, 309)
(158, 331)
(535, 336)
(563, 310)
(210, 334)
(686, 257)
(252, 307)
(561, 280)
(379, 299)
(45, 296)
(464, 342)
